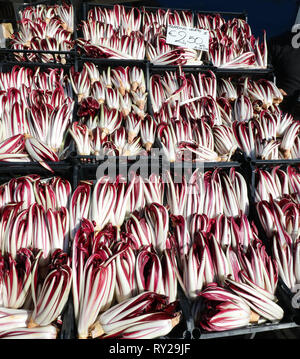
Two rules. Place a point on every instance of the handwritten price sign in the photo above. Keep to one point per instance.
(189, 37)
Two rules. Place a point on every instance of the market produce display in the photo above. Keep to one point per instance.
(119, 32)
(112, 33)
(35, 214)
(157, 321)
(277, 202)
(35, 271)
(232, 44)
(91, 255)
(212, 117)
(44, 28)
(200, 237)
(36, 111)
(33, 294)
(158, 51)
(196, 116)
(112, 111)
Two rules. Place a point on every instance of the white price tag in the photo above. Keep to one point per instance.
(189, 37)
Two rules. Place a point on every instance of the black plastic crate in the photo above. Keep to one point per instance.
(86, 7)
(280, 162)
(83, 15)
(233, 74)
(10, 170)
(171, 10)
(284, 294)
(183, 330)
(161, 70)
(8, 56)
(64, 170)
(239, 155)
(50, 3)
(103, 64)
(87, 166)
(153, 9)
(68, 328)
(291, 319)
(226, 15)
(156, 69)
(244, 333)
(7, 13)
(86, 169)
(8, 66)
(56, 57)
(267, 165)
(254, 73)
(189, 330)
